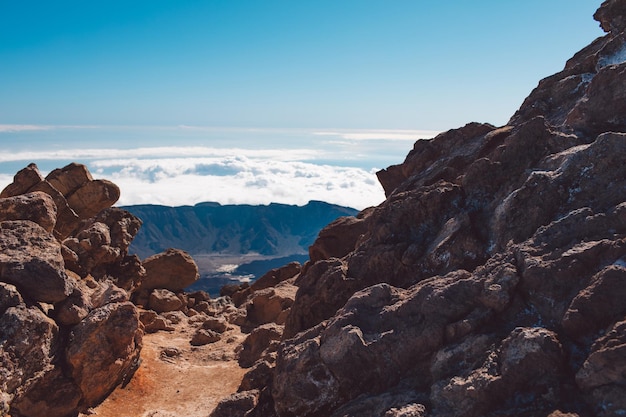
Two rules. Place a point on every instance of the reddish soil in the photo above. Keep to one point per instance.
(177, 379)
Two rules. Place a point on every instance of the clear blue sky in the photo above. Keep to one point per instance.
(392, 64)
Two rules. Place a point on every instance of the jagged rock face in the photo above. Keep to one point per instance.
(490, 282)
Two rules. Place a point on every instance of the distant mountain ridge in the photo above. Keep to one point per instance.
(271, 230)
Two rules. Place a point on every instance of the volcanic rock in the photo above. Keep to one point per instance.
(338, 238)
(236, 405)
(173, 270)
(37, 207)
(29, 341)
(164, 300)
(23, 181)
(262, 341)
(271, 278)
(490, 281)
(204, 337)
(103, 350)
(217, 324)
(270, 305)
(30, 258)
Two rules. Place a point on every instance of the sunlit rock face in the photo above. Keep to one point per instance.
(490, 282)
(68, 333)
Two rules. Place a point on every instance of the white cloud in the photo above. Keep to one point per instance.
(159, 152)
(380, 134)
(21, 128)
(234, 180)
(8, 128)
(239, 181)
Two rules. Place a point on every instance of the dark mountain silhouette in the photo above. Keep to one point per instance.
(275, 230)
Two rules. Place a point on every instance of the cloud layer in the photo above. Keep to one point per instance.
(186, 176)
(238, 180)
(226, 165)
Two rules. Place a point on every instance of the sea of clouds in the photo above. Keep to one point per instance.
(188, 165)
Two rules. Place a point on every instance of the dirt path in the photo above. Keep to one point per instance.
(177, 379)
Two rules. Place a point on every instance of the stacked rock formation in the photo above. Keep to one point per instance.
(492, 280)
(69, 333)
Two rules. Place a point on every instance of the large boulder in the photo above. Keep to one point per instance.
(37, 207)
(270, 305)
(23, 181)
(29, 342)
(103, 350)
(30, 258)
(173, 270)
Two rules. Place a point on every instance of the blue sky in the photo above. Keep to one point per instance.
(269, 74)
(288, 63)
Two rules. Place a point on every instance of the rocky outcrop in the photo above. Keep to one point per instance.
(490, 281)
(68, 333)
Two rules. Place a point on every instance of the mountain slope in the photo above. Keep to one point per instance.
(490, 282)
(273, 230)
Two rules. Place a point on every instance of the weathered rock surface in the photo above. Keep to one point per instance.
(68, 335)
(173, 270)
(103, 350)
(37, 207)
(30, 258)
(162, 300)
(490, 282)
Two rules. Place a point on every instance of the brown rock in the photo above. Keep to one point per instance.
(30, 258)
(74, 308)
(92, 197)
(28, 344)
(164, 300)
(259, 343)
(275, 276)
(204, 337)
(530, 359)
(598, 305)
(441, 158)
(106, 293)
(127, 271)
(156, 324)
(392, 404)
(69, 178)
(103, 350)
(271, 305)
(9, 297)
(37, 207)
(322, 290)
(238, 404)
(100, 247)
(338, 238)
(217, 324)
(53, 395)
(23, 181)
(258, 376)
(67, 220)
(173, 269)
(123, 226)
